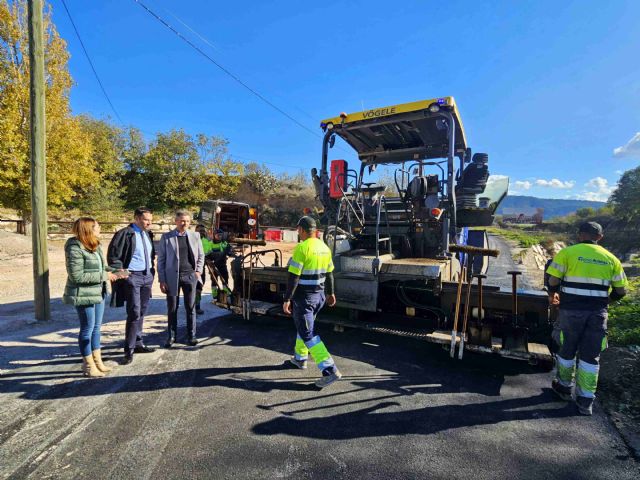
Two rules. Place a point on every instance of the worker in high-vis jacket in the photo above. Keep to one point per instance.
(310, 275)
(583, 279)
(220, 251)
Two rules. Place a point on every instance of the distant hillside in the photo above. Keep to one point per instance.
(553, 207)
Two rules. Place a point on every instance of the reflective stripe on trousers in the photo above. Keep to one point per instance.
(305, 307)
(587, 379)
(317, 349)
(583, 334)
(565, 370)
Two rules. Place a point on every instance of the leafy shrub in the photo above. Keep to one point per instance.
(624, 317)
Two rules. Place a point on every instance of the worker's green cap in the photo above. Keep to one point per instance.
(307, 223)
(592, 228)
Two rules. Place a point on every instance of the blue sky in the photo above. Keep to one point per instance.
(549, 89)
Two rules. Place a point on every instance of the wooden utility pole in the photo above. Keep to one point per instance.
(38, 163)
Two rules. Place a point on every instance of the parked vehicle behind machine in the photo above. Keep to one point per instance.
(236, 219)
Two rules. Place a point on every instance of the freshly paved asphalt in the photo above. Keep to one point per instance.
(229, 409)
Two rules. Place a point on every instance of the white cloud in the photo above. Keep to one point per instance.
(631, 149)
(601, 185)
(555, 183)
(493, 178)
(525, 185)
(597, 189)
(591, 196)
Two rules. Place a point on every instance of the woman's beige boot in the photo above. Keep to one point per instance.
(89, 367)
(97, 359)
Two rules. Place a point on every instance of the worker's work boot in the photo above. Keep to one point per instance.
(327, 380)
(585, 405)
(562, 391)
(97, 359)
(89, 367)
(301, 364)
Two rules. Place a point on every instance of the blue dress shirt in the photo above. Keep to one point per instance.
(137, 263)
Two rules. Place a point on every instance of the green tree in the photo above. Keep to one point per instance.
(68, 148)
(585, 212)
(177, 171)
(260, 178)
(222, 175)
(164, 177)
(108, 142)
(626, 197)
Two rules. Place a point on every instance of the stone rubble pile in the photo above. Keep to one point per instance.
(540, 255)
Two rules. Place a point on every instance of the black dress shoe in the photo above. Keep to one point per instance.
(170, 341)
(143, 349)
(128, 358)
(199, 311)
(192, 342)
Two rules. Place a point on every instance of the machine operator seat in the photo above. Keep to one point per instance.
(424, 188)
(417, 188)
(475, 175)
(473, 181)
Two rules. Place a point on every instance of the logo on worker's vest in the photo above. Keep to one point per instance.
(380, 112)
(593, 261)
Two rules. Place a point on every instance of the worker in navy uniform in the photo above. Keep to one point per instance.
(310, 269)
(180, 263)
(583, 279)
(132, 249)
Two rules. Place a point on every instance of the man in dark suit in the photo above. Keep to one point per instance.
(180, 263)
(132, 248)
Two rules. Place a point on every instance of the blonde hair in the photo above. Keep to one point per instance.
(83, 230)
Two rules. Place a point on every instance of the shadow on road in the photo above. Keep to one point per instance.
(424, 421)
(382, 373)
(413, 366)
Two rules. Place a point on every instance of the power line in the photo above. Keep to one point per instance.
(227, 72)
(91, 63)
(191, 29)
(213, 46)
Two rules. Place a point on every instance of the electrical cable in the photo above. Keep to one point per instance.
(91, 63)
(227, 72)
(212, 45)
(192, 30)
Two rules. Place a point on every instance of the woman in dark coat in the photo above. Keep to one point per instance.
(86, 289)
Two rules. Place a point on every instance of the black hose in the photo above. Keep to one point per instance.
(404, 298)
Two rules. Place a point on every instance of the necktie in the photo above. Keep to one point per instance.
(146, 253)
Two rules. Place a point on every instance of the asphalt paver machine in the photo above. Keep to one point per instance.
(410, 258)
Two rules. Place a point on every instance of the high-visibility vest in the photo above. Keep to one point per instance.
(219, 247)
(207, 245)
(311, 261)
(588, 271)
